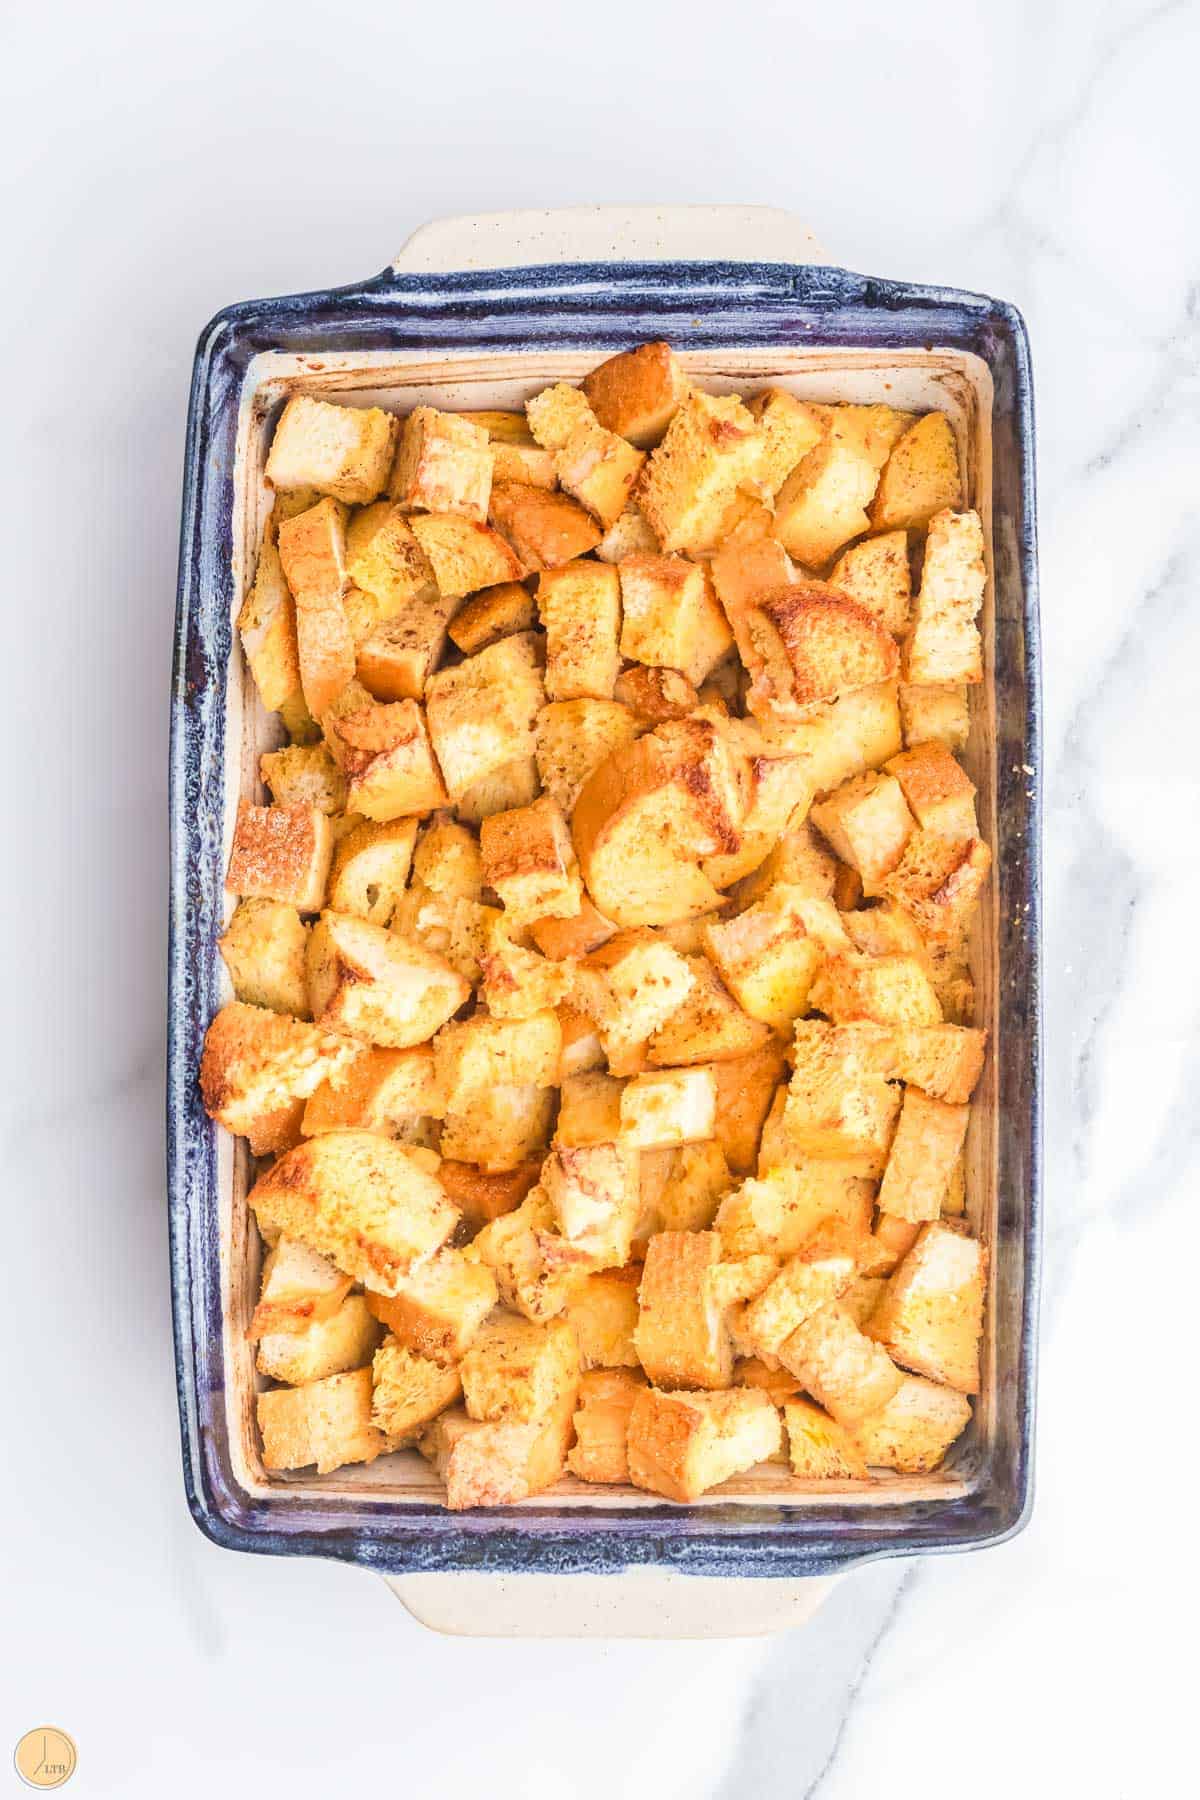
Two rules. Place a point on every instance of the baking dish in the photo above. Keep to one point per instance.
(489, 337)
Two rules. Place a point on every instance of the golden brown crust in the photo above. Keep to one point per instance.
(544, 529)
(637, 393)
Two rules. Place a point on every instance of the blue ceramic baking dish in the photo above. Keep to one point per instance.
(830, 334)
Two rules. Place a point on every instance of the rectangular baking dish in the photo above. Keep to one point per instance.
(482, 339)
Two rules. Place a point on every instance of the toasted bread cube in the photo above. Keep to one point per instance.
(517, 981)
(280, 853)
(809, 1280)
(519, 1371)
(590, 1110)
(890, 1243)
(603, 1313)
(944, 643)
(935, 712)
(486, 1194)
(497, 1465)
(324, 1422)
(502, 1128)
(312, 548)
(267, 624)
(525, 464)
(809, 644)
(867, 823)
(945, 1061)
(913, 1432)
(585, 931)
(504, 789)
(838, 1105)
(544, 529)
(680, 1445)
(743, 569)
(711, 448)
(347, 1339)
(514, 1245)
(298, 1289)
(383, 1090)
(637, 393)
(580, 609)
(930, 1317)
(644, 981)
(889, 990)
(920, 477)
(781, 792)
(387, 756)
(440, 1307)
(779, 1212)
(464, 556)
(629, 536)
(767, 959)
(654, 695)
(572, 739)
(862, 1297)
(304, 775)
(819, 1449)
(557, 412)
(778, 1384)
(385, 559)
(697, 1182)
(939, 792)
(263, 949)
(370, 869)
(448, 860)
(345, 451)
(671, 617)
(481, 714)
(669, 1106)
(379, 986)
(581, 1052)
(475, 1054)
(709, 1026)
(938, 880)
(929, 1138)
(529, 860)
(681, 1339)
(258, 1067)
(801, 859)
(599, 469)
(822, 504)
(396, 660)
(606, 1398)
(443, 465)
(409, 1390)
(595, 1193)
(745, 1088)
(790, 429)
(876, 573)
(496, 613)
(839, 1366)
(883, 929)
(360, 1200)
(446, 924)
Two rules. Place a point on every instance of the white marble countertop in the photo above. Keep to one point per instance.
(164, 163)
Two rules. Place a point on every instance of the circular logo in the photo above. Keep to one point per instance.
(45, 1757)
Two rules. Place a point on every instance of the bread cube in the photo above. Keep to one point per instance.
(875, 573)
(517, 981)
(544, 529)
(267, 625)
(711, 448)
(790, 429)
(780, 1211)
(345, 451)
(680, 1338)
(557, 412)
(495, 613)
(950, 973)
(920, 477)
(370, 869)
(603, 1311)
(629, 536)
(671, 616)
(668, 1106)
(410, 1390)
(518, 1371)
(280, 853)
(263, 949)
(443, 465)
(838, 1105)
(939, 792)
(446, 924)
(938, 881)
(482, 1195)
(945, 1061)
(312, 548)
(643, 982)
(808, 644)
(606, 1399)
(347, 1339)
(572, 738)
(324, 1422)
(585, 931)
(743, 569)
(867, 823)
(595, 1194)
(504, 789)
(298, 1289)
(525, 464)
(841, 1369)
(590, 1110)
(776, 1383)
(496, 1465)
(929, 1138)
(397, 658)
(697, 1181)
(654, 695)
(930, 1316)
(943, 644)
(529, 860)
(819, 1449)
(767, 958)
(822, 504)
(388, 759)
(513, 1246)
(465, 556)
(862, 1297)
(889, 990)
(637, 393)
(808, 1281)
(358, 1199)
(439, 1308)
(680, 1445)
(745, 1088)
(500, 1128)
(581, 1052)
(913, 1432)
(374, 984)
(599, 469)
(385, 559)
(781, 790)
(474, 1055)
(580, 609)
(709, 1025)
(935, 712)
(383, 1090)
(889, 1244)
(258, 1067)
(447, 859)
(304, 775)
(801, 858)
(481, 714)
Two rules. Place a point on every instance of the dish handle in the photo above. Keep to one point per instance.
(606, 234)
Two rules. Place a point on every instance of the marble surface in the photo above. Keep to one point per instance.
(164, 162)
